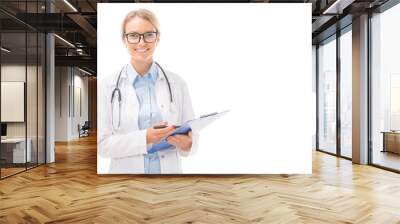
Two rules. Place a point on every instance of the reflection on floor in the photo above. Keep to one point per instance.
(386, 159)
(10, 169)
(347, 152)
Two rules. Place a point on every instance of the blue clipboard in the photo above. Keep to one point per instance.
(163, 144)
(184, 129)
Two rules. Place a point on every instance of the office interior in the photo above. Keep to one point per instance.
(48, 94)
(378, 85)
(47, 82)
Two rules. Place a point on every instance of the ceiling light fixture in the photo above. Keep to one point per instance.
(64, 40)
(338, 6)
(70, 5)
(5, 50)
(84, 71)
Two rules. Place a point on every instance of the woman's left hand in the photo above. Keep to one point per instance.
(183, 142)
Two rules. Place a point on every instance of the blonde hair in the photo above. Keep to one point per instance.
(141, 13)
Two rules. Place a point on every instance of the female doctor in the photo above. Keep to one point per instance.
(136, 99)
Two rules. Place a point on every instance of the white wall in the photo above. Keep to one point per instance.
(61, 103)
(70, 83)
(80, 84)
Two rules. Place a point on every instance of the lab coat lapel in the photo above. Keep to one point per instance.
(130, 105)
(168, 110)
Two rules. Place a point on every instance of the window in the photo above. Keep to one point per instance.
(346, 93)
(385, 89)
(327, 96)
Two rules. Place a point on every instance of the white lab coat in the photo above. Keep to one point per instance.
(127, 146)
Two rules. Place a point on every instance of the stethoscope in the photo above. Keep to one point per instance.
(117, 91)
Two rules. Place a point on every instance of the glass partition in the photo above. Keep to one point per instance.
(32, 85)
(32, 95)
(22, 64)
(41, 109)
(13, 105)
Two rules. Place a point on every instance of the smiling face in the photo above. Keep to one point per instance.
(141, 52)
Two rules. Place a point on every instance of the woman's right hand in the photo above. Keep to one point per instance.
(155, 135)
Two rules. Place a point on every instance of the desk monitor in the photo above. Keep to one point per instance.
(3, 129)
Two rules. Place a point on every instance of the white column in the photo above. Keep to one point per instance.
(360, 90)
(50, 99)
(50, 92)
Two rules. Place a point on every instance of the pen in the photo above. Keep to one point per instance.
(160, 126)
(164, 126)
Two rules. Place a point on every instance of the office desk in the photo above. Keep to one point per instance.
(391, 141)
(13, 150)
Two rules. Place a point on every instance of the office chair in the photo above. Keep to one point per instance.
(84, 130)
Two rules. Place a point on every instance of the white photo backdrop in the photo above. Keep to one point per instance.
(253, 59)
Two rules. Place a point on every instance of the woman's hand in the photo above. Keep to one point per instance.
(155, 135)
(183, 142)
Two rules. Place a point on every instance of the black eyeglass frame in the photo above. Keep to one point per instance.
(141, 35)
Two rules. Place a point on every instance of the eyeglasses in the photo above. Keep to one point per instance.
(134, 38)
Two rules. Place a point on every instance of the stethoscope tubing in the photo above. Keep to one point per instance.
(117, 90)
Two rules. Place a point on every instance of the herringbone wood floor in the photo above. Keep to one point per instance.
(70, 191)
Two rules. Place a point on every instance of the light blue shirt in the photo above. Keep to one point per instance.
(149, 113)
